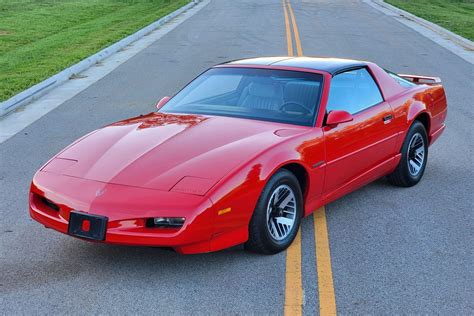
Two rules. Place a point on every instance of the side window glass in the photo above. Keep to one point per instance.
(353, 91)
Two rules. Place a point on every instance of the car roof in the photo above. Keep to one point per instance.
(327, 64)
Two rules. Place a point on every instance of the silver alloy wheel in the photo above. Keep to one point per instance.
(416, 154)
(281, 212)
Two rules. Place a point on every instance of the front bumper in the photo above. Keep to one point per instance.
(127, 209)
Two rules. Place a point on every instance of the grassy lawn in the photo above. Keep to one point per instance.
(454, 15)
(39, 38)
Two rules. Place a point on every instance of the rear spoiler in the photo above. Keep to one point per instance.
(422, 79)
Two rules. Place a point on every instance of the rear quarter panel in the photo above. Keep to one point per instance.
(409, 103)
(419, 100)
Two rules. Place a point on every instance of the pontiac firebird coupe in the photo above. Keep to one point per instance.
(241, 154)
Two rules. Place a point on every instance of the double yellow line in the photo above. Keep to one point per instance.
(327, 299)
(293, 275)
(287, 8)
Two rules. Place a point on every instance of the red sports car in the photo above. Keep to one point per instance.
(241, 154)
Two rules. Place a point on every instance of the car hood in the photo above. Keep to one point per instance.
(161, 151)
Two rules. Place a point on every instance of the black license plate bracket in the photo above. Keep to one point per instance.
(88, 226)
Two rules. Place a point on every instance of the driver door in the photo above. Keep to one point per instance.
(356, 150)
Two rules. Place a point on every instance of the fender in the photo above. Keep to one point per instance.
(310, 157)
(240, 189)
(416, 108)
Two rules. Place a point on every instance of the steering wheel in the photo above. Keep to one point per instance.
(299, 105)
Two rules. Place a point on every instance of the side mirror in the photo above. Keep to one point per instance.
(162, 102)
(337, 117)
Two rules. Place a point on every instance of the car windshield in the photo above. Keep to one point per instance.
(263, 94)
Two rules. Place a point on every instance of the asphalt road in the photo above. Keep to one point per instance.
(393, 250)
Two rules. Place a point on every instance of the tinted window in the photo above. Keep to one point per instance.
(353, 91)
(263, 94)
(403, 82)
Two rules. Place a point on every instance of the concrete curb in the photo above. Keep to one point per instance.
(459, 40)
(41, 88)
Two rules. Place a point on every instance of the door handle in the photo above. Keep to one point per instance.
(387, 118)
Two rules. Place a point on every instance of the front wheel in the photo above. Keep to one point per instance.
(414, 157)
(277, 216)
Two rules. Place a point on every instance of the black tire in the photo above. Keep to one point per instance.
(260, 235)
(403, 176)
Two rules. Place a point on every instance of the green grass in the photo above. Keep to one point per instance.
(39, 38)
(454, 15)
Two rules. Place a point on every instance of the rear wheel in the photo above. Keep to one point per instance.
(414, 157)
(277, 216)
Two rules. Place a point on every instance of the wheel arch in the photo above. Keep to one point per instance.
(300, 173)
(419, 112)
(424, 118)
(241, 188)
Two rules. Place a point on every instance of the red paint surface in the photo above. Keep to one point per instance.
(170, 165)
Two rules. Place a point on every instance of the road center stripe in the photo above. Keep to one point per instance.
(299, 49)
(289, 41)
(293, 282)
(293, 279)
(293, 285)
(327, 300)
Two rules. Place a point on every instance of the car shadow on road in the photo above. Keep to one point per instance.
(71, 260)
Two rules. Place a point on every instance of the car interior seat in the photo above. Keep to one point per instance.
(301, 92)
(262, 95)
